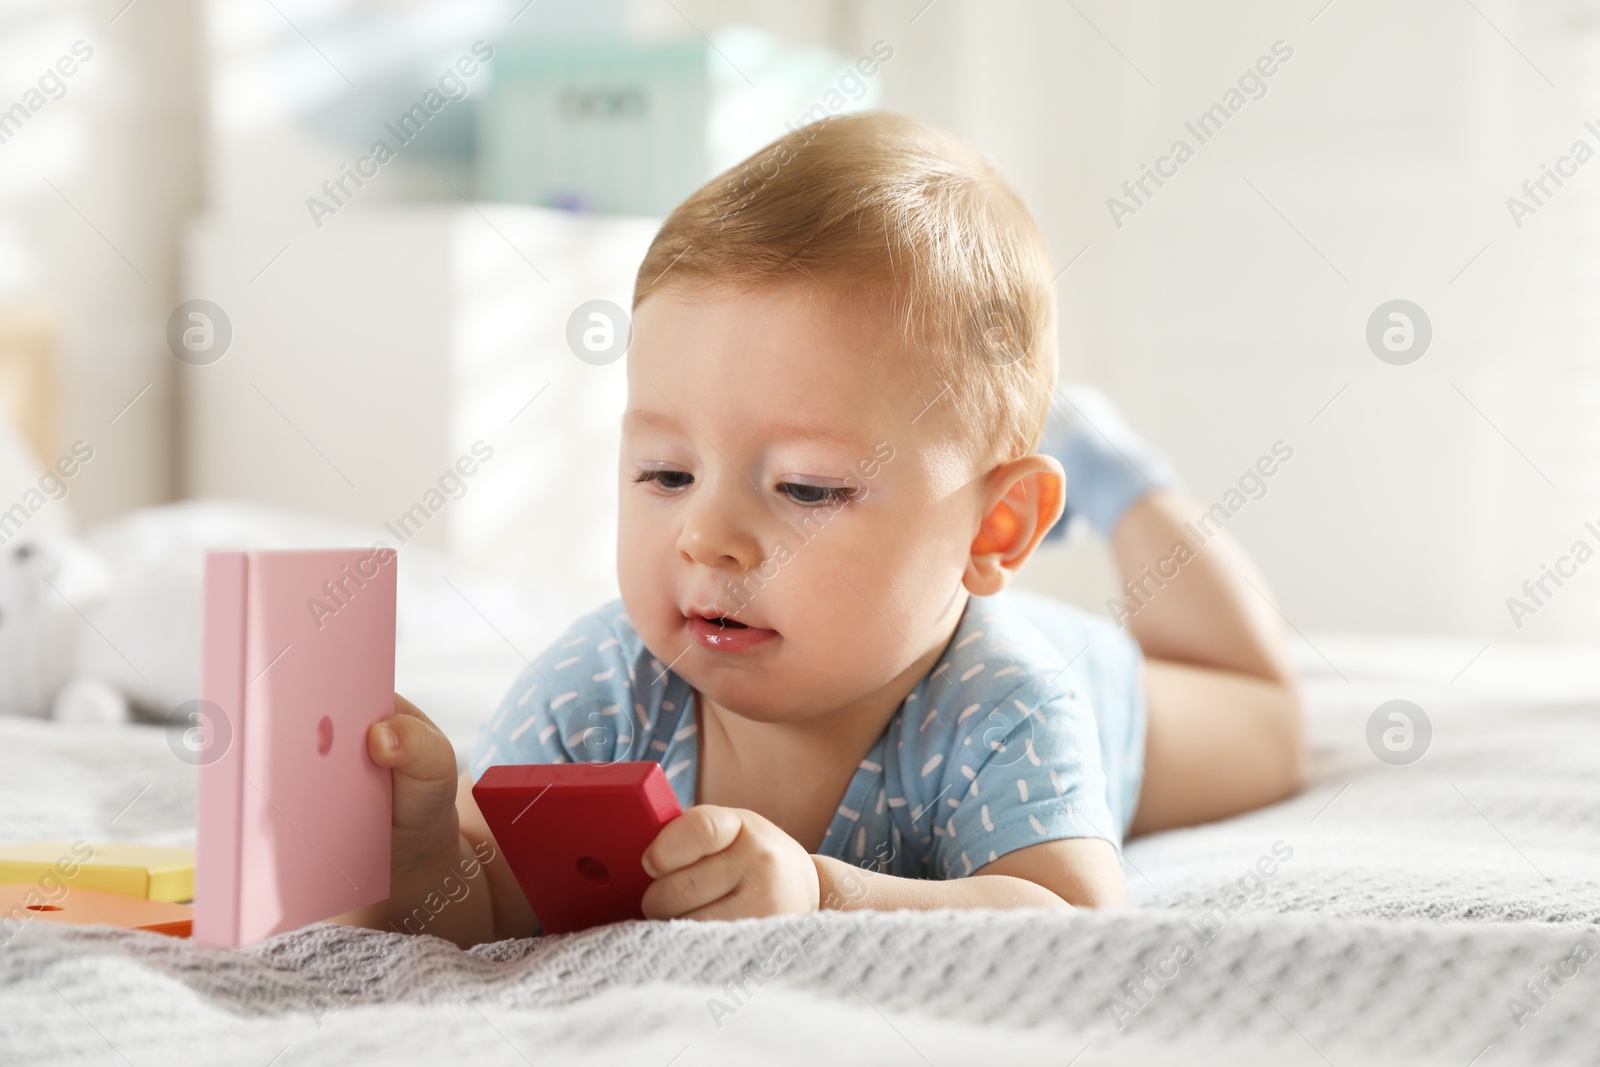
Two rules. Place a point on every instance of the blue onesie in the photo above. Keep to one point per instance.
(1029, 728)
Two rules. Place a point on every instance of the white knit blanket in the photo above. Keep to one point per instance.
(1443, 912)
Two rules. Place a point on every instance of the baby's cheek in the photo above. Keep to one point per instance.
(922, 596)
(862, 602)
(644, 580)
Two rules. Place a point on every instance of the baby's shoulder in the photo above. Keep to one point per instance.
(599, 651)
(1001, 676)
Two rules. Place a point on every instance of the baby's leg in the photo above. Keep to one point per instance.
(1226, 727)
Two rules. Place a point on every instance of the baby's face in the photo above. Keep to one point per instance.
(796, 515)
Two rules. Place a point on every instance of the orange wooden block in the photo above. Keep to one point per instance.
(89, 907)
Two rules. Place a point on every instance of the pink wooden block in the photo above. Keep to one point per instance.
(293, 817)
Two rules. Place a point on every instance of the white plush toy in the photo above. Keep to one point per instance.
(50, 589)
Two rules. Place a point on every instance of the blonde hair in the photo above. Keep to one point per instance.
(876, 202)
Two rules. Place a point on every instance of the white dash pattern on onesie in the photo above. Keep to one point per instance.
(1008, 747)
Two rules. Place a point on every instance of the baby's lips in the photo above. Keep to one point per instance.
(712, 615)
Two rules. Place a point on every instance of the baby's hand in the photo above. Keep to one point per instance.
(424, 765)
(727, 863)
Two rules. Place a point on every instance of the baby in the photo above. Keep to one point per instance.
(842, 364)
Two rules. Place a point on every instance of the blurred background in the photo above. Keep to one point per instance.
(372, 316)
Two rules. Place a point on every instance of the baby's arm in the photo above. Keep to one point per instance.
(446, 875)
(448, 878)
(729, 863)
(1079, 872)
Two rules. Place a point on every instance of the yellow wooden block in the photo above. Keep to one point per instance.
(155, 872)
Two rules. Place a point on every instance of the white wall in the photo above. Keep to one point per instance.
(101, 248)
(1389, 141)
(1419, 500)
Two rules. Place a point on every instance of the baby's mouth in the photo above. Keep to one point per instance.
(723, 633)
(724, 622)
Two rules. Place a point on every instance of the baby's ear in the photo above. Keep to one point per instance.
(1022, 500)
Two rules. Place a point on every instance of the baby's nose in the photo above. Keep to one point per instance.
(715, 534)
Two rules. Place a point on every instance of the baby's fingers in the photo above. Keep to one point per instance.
(691, 888)
(703, 830)
(409, 741)
(423, 761)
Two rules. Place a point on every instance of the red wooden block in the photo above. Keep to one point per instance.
(574, 834)
(21, 901)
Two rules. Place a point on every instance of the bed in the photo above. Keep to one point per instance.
(1405, 909)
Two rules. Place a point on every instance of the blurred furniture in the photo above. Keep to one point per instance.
(622, 126)
(27, 374)
(370, 359)
(609, 126)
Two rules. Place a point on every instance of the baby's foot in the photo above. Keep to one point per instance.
(1109, 466)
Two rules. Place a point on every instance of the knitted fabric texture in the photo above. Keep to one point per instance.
(1406, 914)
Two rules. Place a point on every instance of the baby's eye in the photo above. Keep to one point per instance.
(667, 480)
(814, 495)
